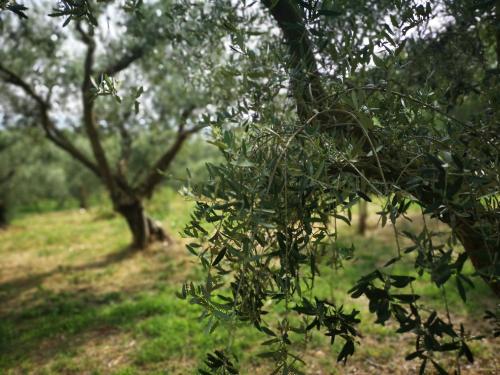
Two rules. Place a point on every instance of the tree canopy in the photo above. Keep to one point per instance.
(55, 68)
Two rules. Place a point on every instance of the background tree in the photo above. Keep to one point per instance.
(34, 172)
(50, 77)
(344, 110)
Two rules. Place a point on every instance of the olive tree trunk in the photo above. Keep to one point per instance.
(3, 216)
(482, 249)
(144, 229)
(363, 215)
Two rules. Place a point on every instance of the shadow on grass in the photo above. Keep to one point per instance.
(66, 317)
(68, 320)
(12, 288)
(372, 253)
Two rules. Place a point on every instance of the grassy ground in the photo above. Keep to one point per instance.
(74, 300)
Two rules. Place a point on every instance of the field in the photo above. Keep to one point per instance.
(76, 300)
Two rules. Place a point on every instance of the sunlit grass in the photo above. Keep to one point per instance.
(76, 301)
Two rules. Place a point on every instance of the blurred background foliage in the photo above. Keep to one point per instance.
(37, 177)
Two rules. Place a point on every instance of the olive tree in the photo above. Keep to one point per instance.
(379, 104)
(67, 79)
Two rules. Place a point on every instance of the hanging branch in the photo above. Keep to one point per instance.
(134, 54)
(483, 251)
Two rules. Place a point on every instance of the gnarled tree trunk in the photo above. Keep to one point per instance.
(478, 233)
(144, 229)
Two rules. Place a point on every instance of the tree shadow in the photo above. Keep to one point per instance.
(12, 288)
(67, 320)
(115, 257)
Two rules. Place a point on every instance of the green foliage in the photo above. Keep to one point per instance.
(18, 9)
(47, 179)
(91, 303)
(366, 125)
(218, 363)
(373, 112)
(41, 177)
(75, 10)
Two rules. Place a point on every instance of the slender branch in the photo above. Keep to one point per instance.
(154, 177)
(87, 36)
(135, 53)
(184, 117)
(50, 129)
(12, 78)
(194, 129)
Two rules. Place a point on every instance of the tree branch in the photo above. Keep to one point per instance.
(146, 188)
(12, 78)
(154, 177)
(88, 111)
(51, 131)
(482, 250)
(305, 77)
(136, 53)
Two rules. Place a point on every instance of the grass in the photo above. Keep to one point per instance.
(75, 300)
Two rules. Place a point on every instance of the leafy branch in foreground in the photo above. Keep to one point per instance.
(75, 10)
(349, 130)
(14, 7)
(219, 364)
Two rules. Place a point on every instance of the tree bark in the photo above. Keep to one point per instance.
(363, 215)
(144, 229)
(83, 197)
(483, 250)
(3, 216)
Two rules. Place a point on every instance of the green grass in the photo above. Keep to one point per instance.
(75, 300)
